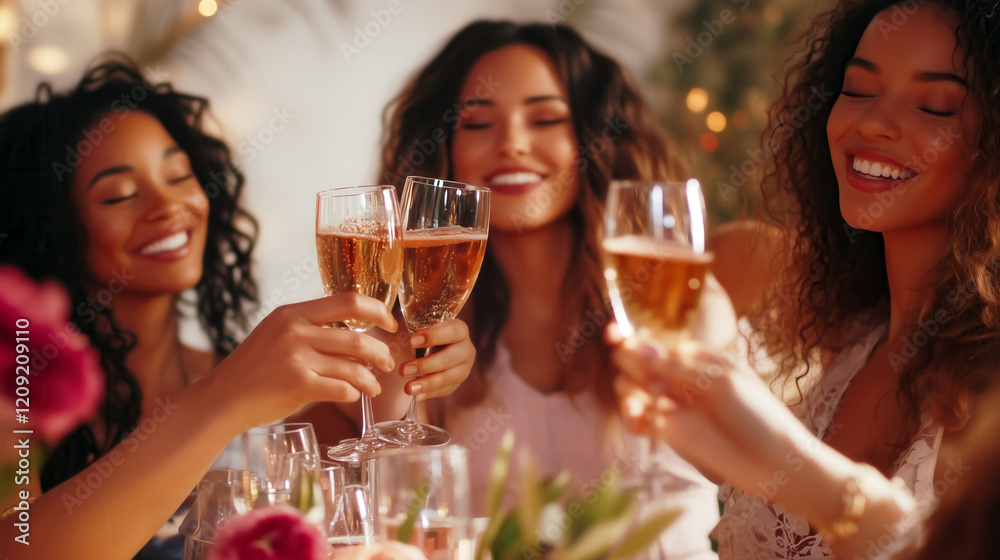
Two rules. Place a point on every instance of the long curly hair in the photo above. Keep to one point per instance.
(835, 283)
(40, 146)
(418, 134)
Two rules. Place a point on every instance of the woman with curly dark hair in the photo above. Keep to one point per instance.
(116, 190)
(546, 122)
(886, 315)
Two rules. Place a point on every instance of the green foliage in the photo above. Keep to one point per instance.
(735, 50)
(601, 525)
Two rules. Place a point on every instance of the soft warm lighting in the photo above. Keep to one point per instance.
(773, 15)
(48, 60)
(208, 8)
(742, 119)
(697, 100)
(8, 20)
(709, 142)
(716, 121)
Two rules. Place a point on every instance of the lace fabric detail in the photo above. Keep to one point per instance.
(752, 529)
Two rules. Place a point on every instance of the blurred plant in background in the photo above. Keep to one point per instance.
(714, 84)
(547, 524)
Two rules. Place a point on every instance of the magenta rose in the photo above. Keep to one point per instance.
(62, 384)
(269, 533)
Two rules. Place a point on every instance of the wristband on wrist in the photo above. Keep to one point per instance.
(853, 501)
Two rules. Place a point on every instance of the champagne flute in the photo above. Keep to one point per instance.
(445, 225)
(358, 242)
(654, 256)
(655, 265)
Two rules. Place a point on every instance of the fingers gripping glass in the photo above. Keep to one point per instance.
(359, 247)
(445, 225)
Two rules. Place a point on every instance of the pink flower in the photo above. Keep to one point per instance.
(62, 384)
(269, 533)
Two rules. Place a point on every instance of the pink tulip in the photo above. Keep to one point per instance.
(62, 384)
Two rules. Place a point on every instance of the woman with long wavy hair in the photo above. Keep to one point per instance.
(884, 320)
(116, 191)
(546, 122)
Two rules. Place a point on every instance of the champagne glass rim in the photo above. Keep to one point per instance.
(280, 428)
(352, 190)
(445, 183)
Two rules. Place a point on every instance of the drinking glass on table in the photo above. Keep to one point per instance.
(359, 246)
(424, 499)
(284, 457)
(350, 517)
(445, 225)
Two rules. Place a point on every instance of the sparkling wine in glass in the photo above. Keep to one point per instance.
(445, 225)
(359, 246)
(654, 256)
(655, 265)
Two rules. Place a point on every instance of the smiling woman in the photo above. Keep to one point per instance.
(145, 210)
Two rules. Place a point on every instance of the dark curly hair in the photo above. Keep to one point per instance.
(836, 283)
(600, 95)
(40, 143)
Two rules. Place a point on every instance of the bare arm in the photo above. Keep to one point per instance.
(111, 509)
(746, 262)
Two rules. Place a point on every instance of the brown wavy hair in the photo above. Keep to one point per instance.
(835, 285)
(418, 135)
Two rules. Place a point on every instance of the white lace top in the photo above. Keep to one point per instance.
(753, 529)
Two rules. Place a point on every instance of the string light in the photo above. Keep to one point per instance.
(208, 8)
(48, 60)
(716, 121)
(709, 142)
(697, 100)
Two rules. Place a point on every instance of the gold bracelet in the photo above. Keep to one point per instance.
(854, 501)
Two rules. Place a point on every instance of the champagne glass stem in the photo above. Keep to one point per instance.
(410, 426)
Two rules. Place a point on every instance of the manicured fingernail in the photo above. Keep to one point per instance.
(410, 370)
(415, 388)
(418, 340)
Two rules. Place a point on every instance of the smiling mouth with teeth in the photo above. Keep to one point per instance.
(878, 170)
(167, 244)
(516, 178)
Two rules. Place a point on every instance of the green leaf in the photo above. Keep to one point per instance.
(508, 538)
(416, 504)
(645, 534)
(599, 539)
(499, 474)
(529, 502)
(553, 488)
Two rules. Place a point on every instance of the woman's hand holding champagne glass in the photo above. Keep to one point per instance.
(445, 225)
(359, 246)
